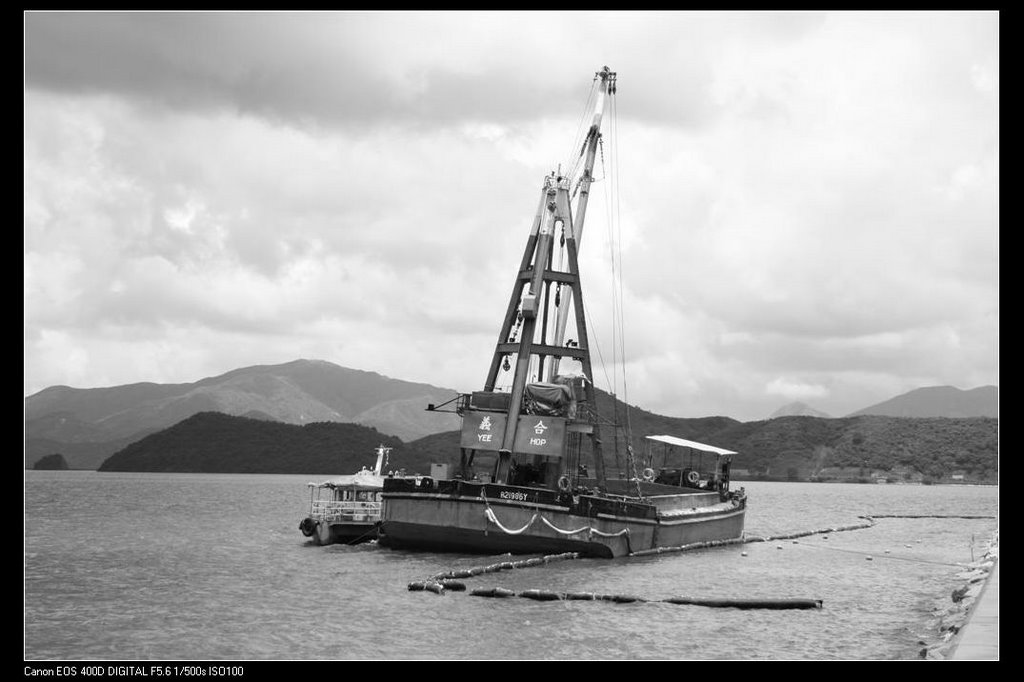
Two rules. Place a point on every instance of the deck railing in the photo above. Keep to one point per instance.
(331, 510)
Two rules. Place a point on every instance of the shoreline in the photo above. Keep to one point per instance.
(954, 618)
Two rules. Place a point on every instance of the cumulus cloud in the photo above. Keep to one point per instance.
(802, 205)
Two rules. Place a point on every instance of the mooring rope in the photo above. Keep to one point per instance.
(590, 530)
(555, 528)
(494, 519)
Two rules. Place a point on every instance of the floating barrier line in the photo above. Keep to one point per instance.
(882, 556)
(452, 576)
(924, 516)
(544, 595)
(448, 581)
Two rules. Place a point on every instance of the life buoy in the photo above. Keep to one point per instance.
(563, 484)
(648, 474)
(692, 477)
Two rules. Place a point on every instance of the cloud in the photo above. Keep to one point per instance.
(795, 390)
(797, 202)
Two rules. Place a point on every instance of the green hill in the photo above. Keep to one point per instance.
(936, 449)
(54, 462)
(212, 442)
(869, 448)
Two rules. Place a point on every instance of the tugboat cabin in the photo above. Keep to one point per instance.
(686, 463)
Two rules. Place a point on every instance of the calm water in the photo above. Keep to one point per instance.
(213, 567)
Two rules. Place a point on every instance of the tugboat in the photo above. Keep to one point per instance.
(346, 510)
(538, 433)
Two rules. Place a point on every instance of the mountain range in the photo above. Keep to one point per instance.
(798, 410)
(87, 426)
(938, 401)
(937, 449)
(931, 401)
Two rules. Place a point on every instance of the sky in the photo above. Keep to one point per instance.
(802, 206)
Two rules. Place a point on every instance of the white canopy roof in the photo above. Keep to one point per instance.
(365, 479)
(682, 442)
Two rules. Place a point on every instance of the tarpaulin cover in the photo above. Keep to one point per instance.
(553, 399)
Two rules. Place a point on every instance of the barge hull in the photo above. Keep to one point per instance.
(440, 522)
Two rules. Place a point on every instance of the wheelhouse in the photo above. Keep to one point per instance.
(686, 463)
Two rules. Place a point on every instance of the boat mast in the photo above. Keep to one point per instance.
(606, 89)
(532, 298)
(382, 453)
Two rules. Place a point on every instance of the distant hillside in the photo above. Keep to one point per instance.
(53, 462)
(88, 425)
(801, 448)
(811, 448)
(938, 401)
(212, 442)
(798, 410)
(786, 448)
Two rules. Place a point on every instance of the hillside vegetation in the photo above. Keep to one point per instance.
(55, 461)
(784, 448)
(212, 442)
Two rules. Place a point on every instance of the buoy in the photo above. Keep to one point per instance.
(587, 596)
(743, 554)
(540, 595)
(886, 551)
(869, 558)
(491, 592)
(416, 586)
(778, 546)
(453, 585)
(436, 588)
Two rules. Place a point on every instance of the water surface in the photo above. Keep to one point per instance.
(139, 566)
